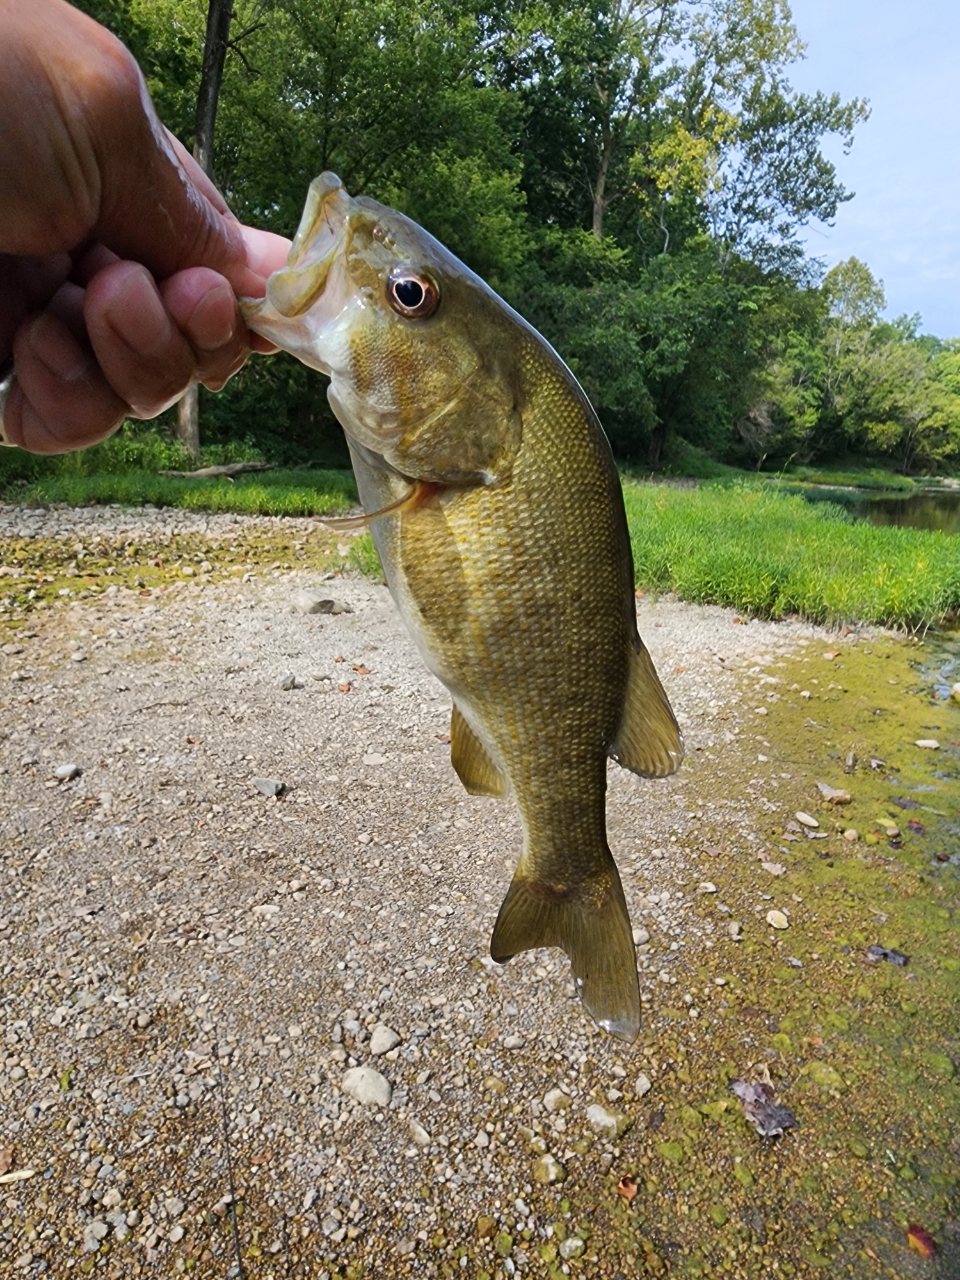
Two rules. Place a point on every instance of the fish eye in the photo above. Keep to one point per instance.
(412, 295)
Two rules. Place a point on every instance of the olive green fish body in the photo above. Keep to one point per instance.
(504, 542)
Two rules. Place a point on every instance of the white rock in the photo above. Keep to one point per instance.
(610, 1124)
(418, 1133)
(556, 1100)
(513, 1042)
(641, 937)
(65, 772)
(928, 744)
(805, 819)
(706, 886)
(482, 1139)
(642, 1086)
(572, 1247)
(777, 920)
(367, 1086)
(735, 930)
(383, 1039)
(309, 600)
(955, 692)
(374, 757)
(548, 1169)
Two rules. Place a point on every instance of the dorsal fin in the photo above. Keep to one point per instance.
(649, 741)
(470, 758)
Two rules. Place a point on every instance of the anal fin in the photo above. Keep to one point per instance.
(590, 922)
(649, 741)
(470, 758)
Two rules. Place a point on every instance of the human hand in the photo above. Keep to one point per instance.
(119, 260)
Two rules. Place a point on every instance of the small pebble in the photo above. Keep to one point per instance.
(777, 920)
(928, 744)
(383, 1039)
(805, 819)
(66, 772)
(268, 786)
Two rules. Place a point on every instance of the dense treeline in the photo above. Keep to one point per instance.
(632, 176)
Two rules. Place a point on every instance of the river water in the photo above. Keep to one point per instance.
(931, 509)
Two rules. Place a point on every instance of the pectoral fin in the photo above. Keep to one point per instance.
(470, 758)
(591, 923)
(649, 740)
(420, 493)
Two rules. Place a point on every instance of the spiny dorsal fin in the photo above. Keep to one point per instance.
(470, 758)
(590, 922)
(649, 741)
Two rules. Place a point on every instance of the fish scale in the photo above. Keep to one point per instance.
(496, 509)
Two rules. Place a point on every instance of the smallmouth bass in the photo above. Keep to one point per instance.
(496, 509)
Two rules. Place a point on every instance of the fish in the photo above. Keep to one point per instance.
(494, 504)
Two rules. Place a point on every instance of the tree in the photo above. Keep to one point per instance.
(219, 17)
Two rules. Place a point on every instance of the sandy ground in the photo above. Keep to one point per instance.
(174, 940)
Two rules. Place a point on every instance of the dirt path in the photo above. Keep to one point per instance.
(159, 914)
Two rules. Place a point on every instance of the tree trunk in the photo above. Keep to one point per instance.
(219, 17)
(600, 201)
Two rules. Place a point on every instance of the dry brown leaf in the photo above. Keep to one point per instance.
(920, 1241)
(6, 1158)
(627, 1187)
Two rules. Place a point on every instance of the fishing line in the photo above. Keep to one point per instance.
(226, 1146)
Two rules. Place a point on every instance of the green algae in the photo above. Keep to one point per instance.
(863, 1053)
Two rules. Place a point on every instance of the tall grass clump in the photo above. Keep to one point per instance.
(772, 554)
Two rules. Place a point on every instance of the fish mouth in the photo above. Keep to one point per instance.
(297, 288)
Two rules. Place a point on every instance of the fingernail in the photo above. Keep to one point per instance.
(139, 317)
(56, 347)
(212, 323)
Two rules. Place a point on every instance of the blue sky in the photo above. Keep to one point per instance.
(904, 221)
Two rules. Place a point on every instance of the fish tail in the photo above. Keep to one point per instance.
(590, 922)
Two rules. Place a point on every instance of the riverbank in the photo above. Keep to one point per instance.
(163, 918)
(752, 548)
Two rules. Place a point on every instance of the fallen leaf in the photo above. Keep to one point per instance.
(20, 1175)
(920, 1241)
(916, 827)
(262, 1159)
(6, 1158)
(338, 659)
(627, 1187)
(443, 737)
(344, 688)
(740, 621)
(361, 670)
(831, 654)
(678, 671)
(769, 1117)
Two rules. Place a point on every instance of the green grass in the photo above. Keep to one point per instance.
(772, 555)
(275, 493)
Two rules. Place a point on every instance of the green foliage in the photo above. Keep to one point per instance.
(632, 177)
(771, 554)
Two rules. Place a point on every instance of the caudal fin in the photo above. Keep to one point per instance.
(591, 924)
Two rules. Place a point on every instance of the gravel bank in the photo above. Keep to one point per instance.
(163, 920)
